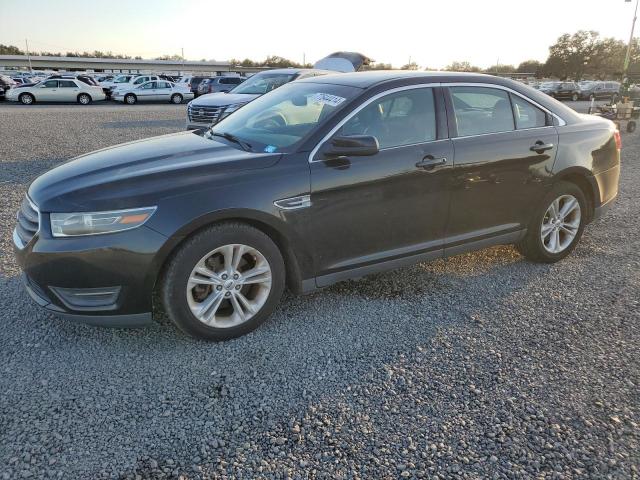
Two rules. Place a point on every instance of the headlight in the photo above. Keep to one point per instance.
(95, 223)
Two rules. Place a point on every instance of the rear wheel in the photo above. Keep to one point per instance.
(130, 99)
(223, 282)
(557, 227)
(574, 97)
(84, 99)
(26, 99)
(176, 98)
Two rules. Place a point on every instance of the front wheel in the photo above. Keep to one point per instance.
(176, 98)
(84, 99)
(574, 97)
(556, 228)
(26, 99)
(223, 282)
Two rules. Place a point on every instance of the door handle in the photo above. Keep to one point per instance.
(540, 147)
(430, 163)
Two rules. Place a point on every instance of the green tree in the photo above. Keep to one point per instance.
(10, 50)
(377, 66)
(570, 55)
(530, 66)
(462, 67)
(501, 69)
(410, 66)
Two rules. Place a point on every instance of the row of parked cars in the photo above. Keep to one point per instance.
(585, 90)
(126, 88)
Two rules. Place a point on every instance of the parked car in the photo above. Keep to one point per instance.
(21, 80)
(599, 90)
(133, 81)
(218, 84)
(155, 90)
(57, 90)
(6, 83)
(209, 109)
(318, 181)
(195, 83)
(561, 90)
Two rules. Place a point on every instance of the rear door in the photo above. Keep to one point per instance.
(68, 90)
(163, 91)
(505, 147)
(391, 205)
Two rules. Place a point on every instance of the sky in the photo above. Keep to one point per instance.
(430, 33)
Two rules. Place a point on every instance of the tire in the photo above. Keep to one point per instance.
(574, 97)
(84, 99)
(26, 98)
(130, 99)
(538, 249)
(631, 126)
(184, 300)
(176, 98)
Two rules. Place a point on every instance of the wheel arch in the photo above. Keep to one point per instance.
(267, 224)
(583, 179)
(84, 93)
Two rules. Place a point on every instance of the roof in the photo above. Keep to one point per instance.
(374, 77)
(369, 79)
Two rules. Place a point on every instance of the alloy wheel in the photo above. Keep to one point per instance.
(229, 285)
(560, 224)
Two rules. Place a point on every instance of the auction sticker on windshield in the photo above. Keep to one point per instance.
(327, 99)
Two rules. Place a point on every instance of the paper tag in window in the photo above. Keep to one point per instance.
(327, 99)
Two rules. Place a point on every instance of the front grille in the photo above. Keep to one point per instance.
(28, 221)
(208, 115)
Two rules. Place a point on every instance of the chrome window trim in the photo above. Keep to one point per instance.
(365, 104)
(561, 121)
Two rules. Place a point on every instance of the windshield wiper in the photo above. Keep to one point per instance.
(232, 138)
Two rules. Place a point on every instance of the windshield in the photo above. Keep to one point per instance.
(262, 83)
(278, 121)
(122, 79)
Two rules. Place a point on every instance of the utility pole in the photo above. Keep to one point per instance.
(182, 50)
(627, 57)
(304, 59)
(26, 42)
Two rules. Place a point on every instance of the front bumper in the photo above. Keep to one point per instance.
(66, 276)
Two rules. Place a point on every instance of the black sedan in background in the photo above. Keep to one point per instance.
(561, 90)
(318, 181)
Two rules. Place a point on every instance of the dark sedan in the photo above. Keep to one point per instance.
(318, 181)
(561, 90)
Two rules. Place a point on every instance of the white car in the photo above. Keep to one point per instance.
(125, 82)
(57, 90)
(156, 90)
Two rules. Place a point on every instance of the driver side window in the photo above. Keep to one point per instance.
(401, 118)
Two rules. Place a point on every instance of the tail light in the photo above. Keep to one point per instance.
(616, 135)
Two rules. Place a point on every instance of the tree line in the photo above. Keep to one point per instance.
(573, 56)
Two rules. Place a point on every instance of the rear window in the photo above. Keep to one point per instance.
(481, 110)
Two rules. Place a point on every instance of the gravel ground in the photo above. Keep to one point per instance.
(479, 366)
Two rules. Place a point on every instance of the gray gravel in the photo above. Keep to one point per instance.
(479, 366)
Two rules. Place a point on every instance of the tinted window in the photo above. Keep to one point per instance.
(401, 118)
(526, 114)
(262, 83)
(67, 84)
(51, 84)
(230, 81)
(480, 110)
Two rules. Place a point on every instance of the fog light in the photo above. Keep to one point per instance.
(103, 298)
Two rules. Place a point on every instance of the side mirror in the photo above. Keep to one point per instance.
(351, 146)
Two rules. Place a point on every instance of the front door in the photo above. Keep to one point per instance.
(388, 206)
(504, 153)
(47, 91)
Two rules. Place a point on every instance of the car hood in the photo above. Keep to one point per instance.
(140, 173)
(222, 99)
